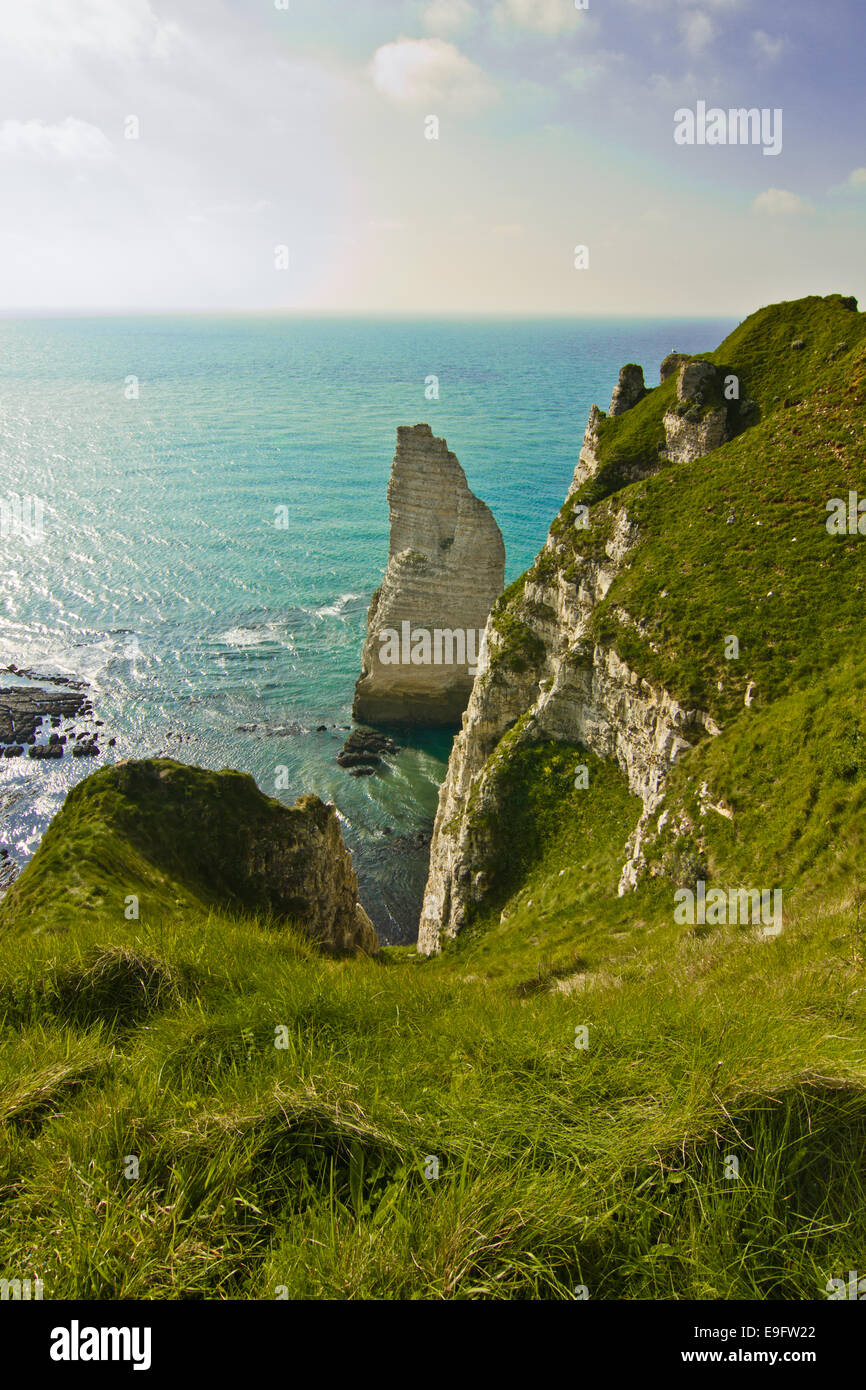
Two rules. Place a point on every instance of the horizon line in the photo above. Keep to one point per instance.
(360, 314)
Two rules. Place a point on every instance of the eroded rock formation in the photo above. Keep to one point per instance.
(630, 389)
(446, 566)
(699, 421)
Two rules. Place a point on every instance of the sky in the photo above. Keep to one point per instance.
(273, 155)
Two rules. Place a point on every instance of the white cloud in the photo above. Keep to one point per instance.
(766, 47)
(857, 178)
(430, 73)
(778, 202)
(698, 31)
(543, 16)
(55, 29)
(447, 16)
(66, 142)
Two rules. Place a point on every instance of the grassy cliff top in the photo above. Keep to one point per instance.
(174, 836)
(735, 543)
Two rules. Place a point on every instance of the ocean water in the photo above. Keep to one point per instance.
(206, 631)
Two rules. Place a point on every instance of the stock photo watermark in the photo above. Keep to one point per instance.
(440, 647)
(719, 907)
(22, 518)
(737, 126)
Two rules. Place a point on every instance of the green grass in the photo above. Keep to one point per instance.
(303, 1170)
(299, 1170)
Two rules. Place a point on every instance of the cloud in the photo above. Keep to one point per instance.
(447, 16)
(767, 48)
(66, 142)
(54, 29)
(857, 178)
(778, 202)
(698, 31)
(542, 16)
(430, 73)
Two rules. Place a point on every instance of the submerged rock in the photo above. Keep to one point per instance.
(24, 708)
(363, 751)
(446, 566)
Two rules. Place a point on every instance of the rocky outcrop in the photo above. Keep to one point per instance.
(174, 835)
(588, 462)
(671, 364)
(31, 716)
(446, 566)
(630, 389)
(699, 421)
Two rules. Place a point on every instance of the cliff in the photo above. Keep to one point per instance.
(169, 835)
(200, 1106)
(616, 644)
(446, 566)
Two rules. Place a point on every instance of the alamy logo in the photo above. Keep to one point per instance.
(20, 1290)
(737, 126)
(76, 1343)
(851, 1288)
(737, 907)
(847, 519)
(23, 517)
(443, 647)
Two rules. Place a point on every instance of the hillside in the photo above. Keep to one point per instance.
(574, 1094)
(618, 638)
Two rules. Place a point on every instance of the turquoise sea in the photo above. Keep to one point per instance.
(206, 631)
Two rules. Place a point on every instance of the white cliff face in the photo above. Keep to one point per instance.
(691, 429)
(446, 567)
(575, 692)
(579, 693)
(588, 462)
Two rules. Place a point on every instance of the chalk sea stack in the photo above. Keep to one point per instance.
(446, 566)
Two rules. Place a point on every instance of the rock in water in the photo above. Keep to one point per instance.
(174, 835)
(446, 566)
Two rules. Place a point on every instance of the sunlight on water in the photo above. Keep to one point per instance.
(209, 633)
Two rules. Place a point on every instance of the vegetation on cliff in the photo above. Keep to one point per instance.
(579, 1096)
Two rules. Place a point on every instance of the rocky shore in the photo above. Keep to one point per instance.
(40, 719)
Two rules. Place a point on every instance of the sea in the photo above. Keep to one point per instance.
(215, 520)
